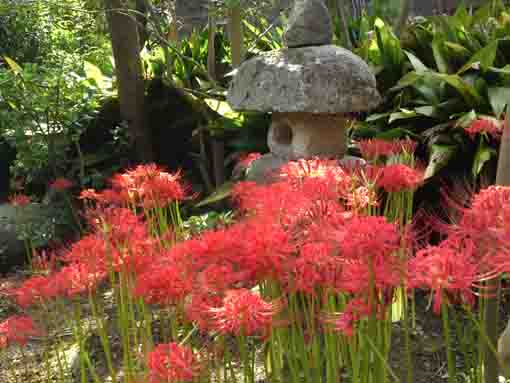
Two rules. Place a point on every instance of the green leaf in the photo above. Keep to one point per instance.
(222, 192)
(418, 66)
(485, 57)
(429, 111)
(439, 158)
(394, 134)
(457, 49)
(377, 116)
(13, 65)
(408, 79)
(402, 115)
(499, 98)
(441, 62)
(222, 108)
(467, 91)
(483, 154)
(465, 120)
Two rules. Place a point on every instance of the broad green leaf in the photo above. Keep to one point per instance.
(504, 70)
(376, 116)
(418, 66)
(482, 14)
(222, 108)
(483, 154)
(408, 79)
(485, 57)
(394, 134)
(13, 65)
(441, 62)
(428, 111)
(439, 158)
(222, 192)
(402, 115)
(467, 91)
(465, 120)
(457, 49)
(499, 98)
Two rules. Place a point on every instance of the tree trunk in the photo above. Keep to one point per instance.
(128, 68)
(404, 15)
(494, 286)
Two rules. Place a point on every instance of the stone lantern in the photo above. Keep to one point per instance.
(310, 87)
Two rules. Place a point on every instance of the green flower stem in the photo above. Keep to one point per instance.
(452, 370)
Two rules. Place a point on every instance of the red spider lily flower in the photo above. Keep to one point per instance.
(398, 177)
(486, 125)
(310, 269)
(344, 322)
(197, 309)
(20, 200)
(79, 278)
(485, 223)
(372, 149)
(17, 330)
(61, 184)
(90, 250)
(37, 290)
(361, 198)
(243, 313)
(149, 186)
(444, 270)
(164, 284)
(171, 362)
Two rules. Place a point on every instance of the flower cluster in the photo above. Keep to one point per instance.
(485, 125)
(372, 149)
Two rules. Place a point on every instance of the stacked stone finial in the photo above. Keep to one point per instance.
(309, 24)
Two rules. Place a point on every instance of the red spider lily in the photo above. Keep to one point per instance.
(311, 268)
(37, 290)
(243, 313)
(106, 197)
(61, 184)
(344, 322)
(20, 200)
(17, 330)
(90, 250)
(79, 278)
(444, 270)
(486, 125)
(171, 362)
(484, 224)
(164, 284)
(198, 306)
(361, 198)
(372, 149)
(149, 186)
(398, 177)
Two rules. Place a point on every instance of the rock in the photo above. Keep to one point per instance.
(309, 24)
(39, 223)
(12, 250)
(323, 79)
(261, 171)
